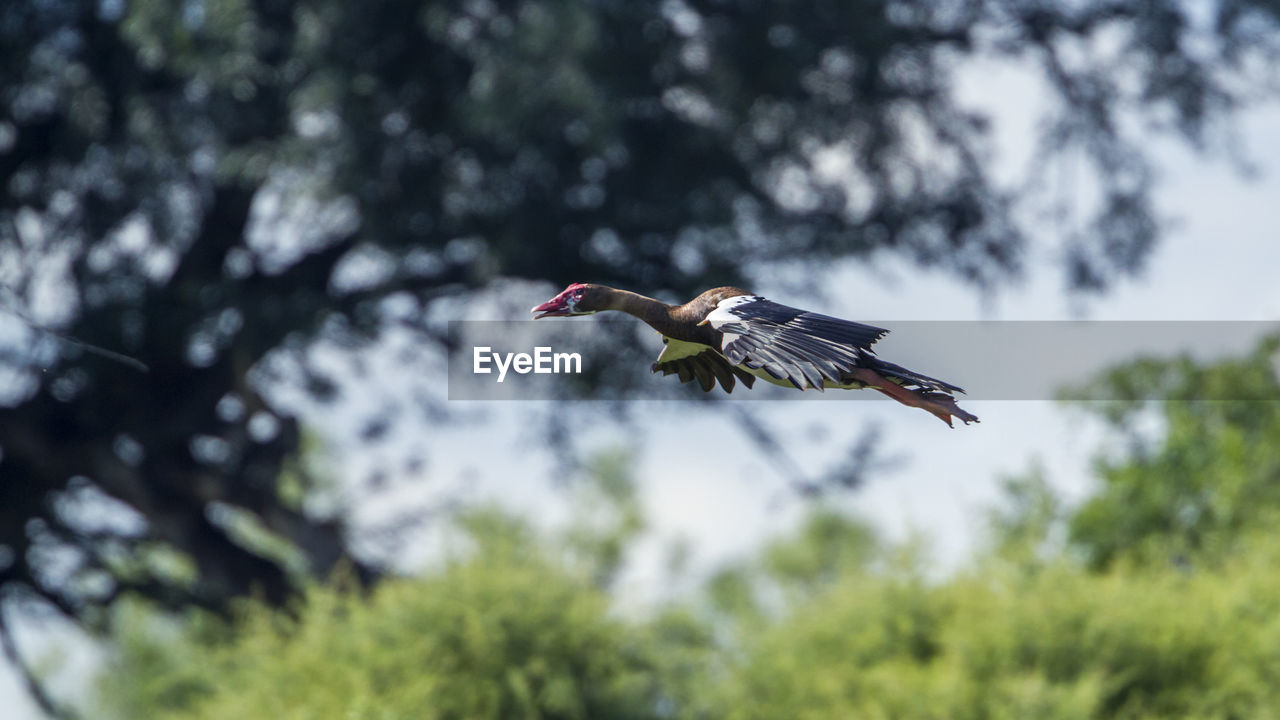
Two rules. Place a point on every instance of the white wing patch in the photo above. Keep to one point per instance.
(721, 315)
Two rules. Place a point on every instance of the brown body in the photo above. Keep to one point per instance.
(679, 322)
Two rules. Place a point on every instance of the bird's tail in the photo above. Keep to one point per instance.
(911, 388)
(911, 379)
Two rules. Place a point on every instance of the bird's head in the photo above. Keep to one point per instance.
(577, 299)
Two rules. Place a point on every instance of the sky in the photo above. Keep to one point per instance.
(703, 485)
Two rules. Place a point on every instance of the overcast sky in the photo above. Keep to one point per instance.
(702, 484)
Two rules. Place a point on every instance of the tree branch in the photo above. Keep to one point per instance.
(35, 688)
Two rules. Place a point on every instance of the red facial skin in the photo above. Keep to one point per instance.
(561, 305)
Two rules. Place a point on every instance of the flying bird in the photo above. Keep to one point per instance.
(727, 334)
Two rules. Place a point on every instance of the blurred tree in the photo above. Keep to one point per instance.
(1207, 476)
(213, 186)
(515, 624)
(503, 633)
(1060, 642)
(1028, 631)
(515, 628)
(1027, 531)
(608, 516)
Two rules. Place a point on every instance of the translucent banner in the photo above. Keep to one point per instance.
(596, 359)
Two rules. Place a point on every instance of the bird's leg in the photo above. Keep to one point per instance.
(948, 405)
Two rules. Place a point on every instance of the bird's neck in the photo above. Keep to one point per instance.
(666, 319)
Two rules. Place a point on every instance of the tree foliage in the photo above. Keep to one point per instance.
(504, 634)
(1208, 475)
(512, 625)
(818, 625)
(1059, 643)
(213, 187)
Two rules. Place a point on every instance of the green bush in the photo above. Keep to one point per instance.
(511, 631)
(503, 633)
(1061, 642)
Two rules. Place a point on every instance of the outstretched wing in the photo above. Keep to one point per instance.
(804, 348)
(692, 361)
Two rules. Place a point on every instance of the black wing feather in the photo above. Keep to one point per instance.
(709, 364)
(685, 371)
(804, 348)
(816, 325)
(702, 371)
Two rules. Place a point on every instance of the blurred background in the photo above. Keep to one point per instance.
(233, 234)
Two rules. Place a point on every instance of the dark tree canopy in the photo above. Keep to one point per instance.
(205, 185)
